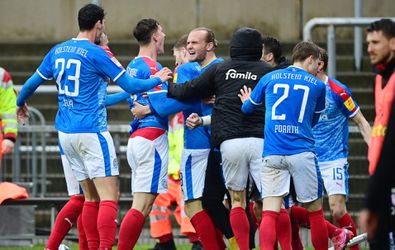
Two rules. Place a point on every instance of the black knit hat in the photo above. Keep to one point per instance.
(246, 44)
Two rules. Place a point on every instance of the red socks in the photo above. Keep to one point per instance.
(300, 215)
(89, 221)
(296, 241)
(283, 227)
(130, 230)
(107, 223)
(64, 221)
(346, 221)
(193, 237)
(205, 229)
(240, 227)
(319, 232)
(267, 234)
(331, 229)
(82, 241)
(220, 239)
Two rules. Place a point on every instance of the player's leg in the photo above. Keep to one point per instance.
(337, 188)
(213, 196)
(235, 163)
(335, 176)
(186, 226)
(99, 157)
(82, 240)
(193, 168)
(275, 181)
(89, 213)
(68, 215)
(148, 161)
(160, 224)
(309, 189)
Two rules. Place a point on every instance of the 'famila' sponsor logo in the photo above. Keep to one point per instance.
(233, 74)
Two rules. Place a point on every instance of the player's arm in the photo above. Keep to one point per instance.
(27, 90)
(194, 121)
(351, 109)
(131, 85)
(363, 126)
(251, 99)
(116, 98)
(135, 85)
(198, 88)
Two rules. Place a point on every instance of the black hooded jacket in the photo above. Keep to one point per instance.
(224, 80)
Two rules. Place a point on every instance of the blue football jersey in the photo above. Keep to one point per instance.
(331, 131)
(81, 70)
(198, 138)
(144, 68)
(291, 97)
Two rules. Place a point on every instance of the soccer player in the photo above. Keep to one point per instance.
(272, 53)
(201, 44)
(293, 100)
(8, 123)
(239, 137)
(71, 211)
(331, 139)
(160, 223)
(81, 70)
(147, 150)
(378, 216)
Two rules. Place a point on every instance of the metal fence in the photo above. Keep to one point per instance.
(331, 23)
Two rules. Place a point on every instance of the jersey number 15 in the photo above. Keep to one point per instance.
(61, 63)
(285, 95)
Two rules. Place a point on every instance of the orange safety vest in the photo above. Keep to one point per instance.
(384, 98)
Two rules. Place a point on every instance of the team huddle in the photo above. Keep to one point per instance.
(251, 122)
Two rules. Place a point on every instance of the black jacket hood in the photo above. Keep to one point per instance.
(246, 45)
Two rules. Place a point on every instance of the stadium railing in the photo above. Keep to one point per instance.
(331, 23)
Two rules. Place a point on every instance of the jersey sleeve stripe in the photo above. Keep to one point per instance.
(157, 91)
(255, 103)
(42, 76)
(355, 112)
(119, 75)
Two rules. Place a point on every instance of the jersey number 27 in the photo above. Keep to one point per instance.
(285, 95)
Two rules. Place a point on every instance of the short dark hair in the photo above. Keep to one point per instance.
(181, 42)
(324, 58)
(303, 50)
(144, 30)
(387, 26)
(272, 45)
(210, 37)
(89, 15)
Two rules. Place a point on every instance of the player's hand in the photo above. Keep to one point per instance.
(193, 121)
(368, 222)
(140, 111)
(7, 146)
(209, 100)
(164, 74)
(22, 114)
(244, 93)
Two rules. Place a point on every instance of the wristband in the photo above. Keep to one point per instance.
(206, 120)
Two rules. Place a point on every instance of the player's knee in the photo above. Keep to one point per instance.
(338, 211)
(237, 199)
(338, 207)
